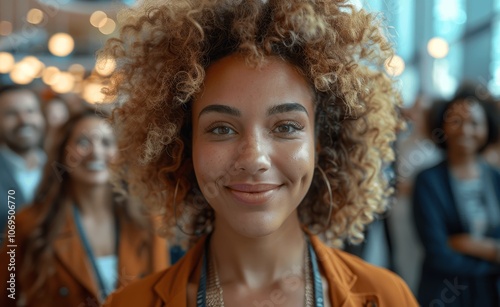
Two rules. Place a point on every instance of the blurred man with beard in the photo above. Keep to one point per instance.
(22, 128)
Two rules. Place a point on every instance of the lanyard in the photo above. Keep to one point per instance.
(318, 286)
(88, 249)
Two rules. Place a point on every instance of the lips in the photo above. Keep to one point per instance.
(253, 194)
(95, 166)
(25, 131)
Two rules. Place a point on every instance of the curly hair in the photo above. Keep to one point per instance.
(162, 53)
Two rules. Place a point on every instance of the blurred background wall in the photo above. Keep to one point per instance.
(439, 43)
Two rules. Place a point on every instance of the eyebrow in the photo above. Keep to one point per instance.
(219, 108)
(286, 107)
(281, 108)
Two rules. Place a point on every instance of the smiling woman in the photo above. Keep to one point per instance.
(79, 241)
(253, 125)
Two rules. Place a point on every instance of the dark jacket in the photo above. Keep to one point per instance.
(450, 278)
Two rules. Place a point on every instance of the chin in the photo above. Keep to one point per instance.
(256, 225)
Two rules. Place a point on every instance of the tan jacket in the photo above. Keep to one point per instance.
(352, 282)
(73, 283)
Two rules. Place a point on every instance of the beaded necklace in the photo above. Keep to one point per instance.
(210, 293)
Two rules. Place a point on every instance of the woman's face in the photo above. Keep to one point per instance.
(465, 126)
(253, 143)
(90, 148)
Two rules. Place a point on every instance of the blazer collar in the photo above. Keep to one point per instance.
(175, 293)
(132, 256)
(71, 252)
(340, 278)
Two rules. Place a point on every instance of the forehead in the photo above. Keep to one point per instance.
(93, 127)
(231, 79)
(467, 109)
(19, 99)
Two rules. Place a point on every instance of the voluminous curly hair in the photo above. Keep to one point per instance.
(162, 54)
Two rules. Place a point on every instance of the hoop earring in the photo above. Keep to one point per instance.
(175, 211)
(330, 195)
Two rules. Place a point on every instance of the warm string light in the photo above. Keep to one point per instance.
(34, 16)
(61, 44)
(6, 62)
(394, 66)
(438, 48)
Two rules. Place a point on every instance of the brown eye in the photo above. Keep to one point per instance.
(222, 130)
(288, 128)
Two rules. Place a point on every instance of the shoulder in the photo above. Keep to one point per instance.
(169, 286)
(368, 275)
(25, 221)
(138, 293)
(358, 278)
(433, 171)
(390, 289)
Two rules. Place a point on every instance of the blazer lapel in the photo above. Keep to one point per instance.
(69, 250)
(340, 279)
(133, 260)
(172, 288)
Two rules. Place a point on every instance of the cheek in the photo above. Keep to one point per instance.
(210, 161)
(297, 163)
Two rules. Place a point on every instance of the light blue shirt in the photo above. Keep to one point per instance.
(27, 179)
(107, 267)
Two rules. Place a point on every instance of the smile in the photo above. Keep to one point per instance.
(95, 166)
(253, 194)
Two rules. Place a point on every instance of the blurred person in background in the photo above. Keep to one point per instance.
(457, 210)
(22, 159)
(56, 111)
(79, 241)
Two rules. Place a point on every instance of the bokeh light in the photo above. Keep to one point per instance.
(92, 92)
(61, 44)
(51, 75)
(108, 27)
(77, 70)
(97, 17)
(394, 66)
(65, 83)
(6, 62)
(438, 48)
(105, 66)
(34, 16)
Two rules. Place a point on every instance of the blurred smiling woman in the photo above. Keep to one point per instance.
(79, 241)
(254, 125)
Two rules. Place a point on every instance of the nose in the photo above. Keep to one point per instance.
(252, 156)
(96, 149)
(466, 129)
(23, 117)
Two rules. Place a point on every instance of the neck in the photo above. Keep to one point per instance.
(258, 262)
(93, 200)
(464, 165)
(29, 156)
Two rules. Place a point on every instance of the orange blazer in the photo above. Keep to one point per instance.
(73, 283)
(352, 282)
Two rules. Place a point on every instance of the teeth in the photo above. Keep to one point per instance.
(25, 131)
(95, 165)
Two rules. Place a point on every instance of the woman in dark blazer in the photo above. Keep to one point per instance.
(79, 241)
(457, 211)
